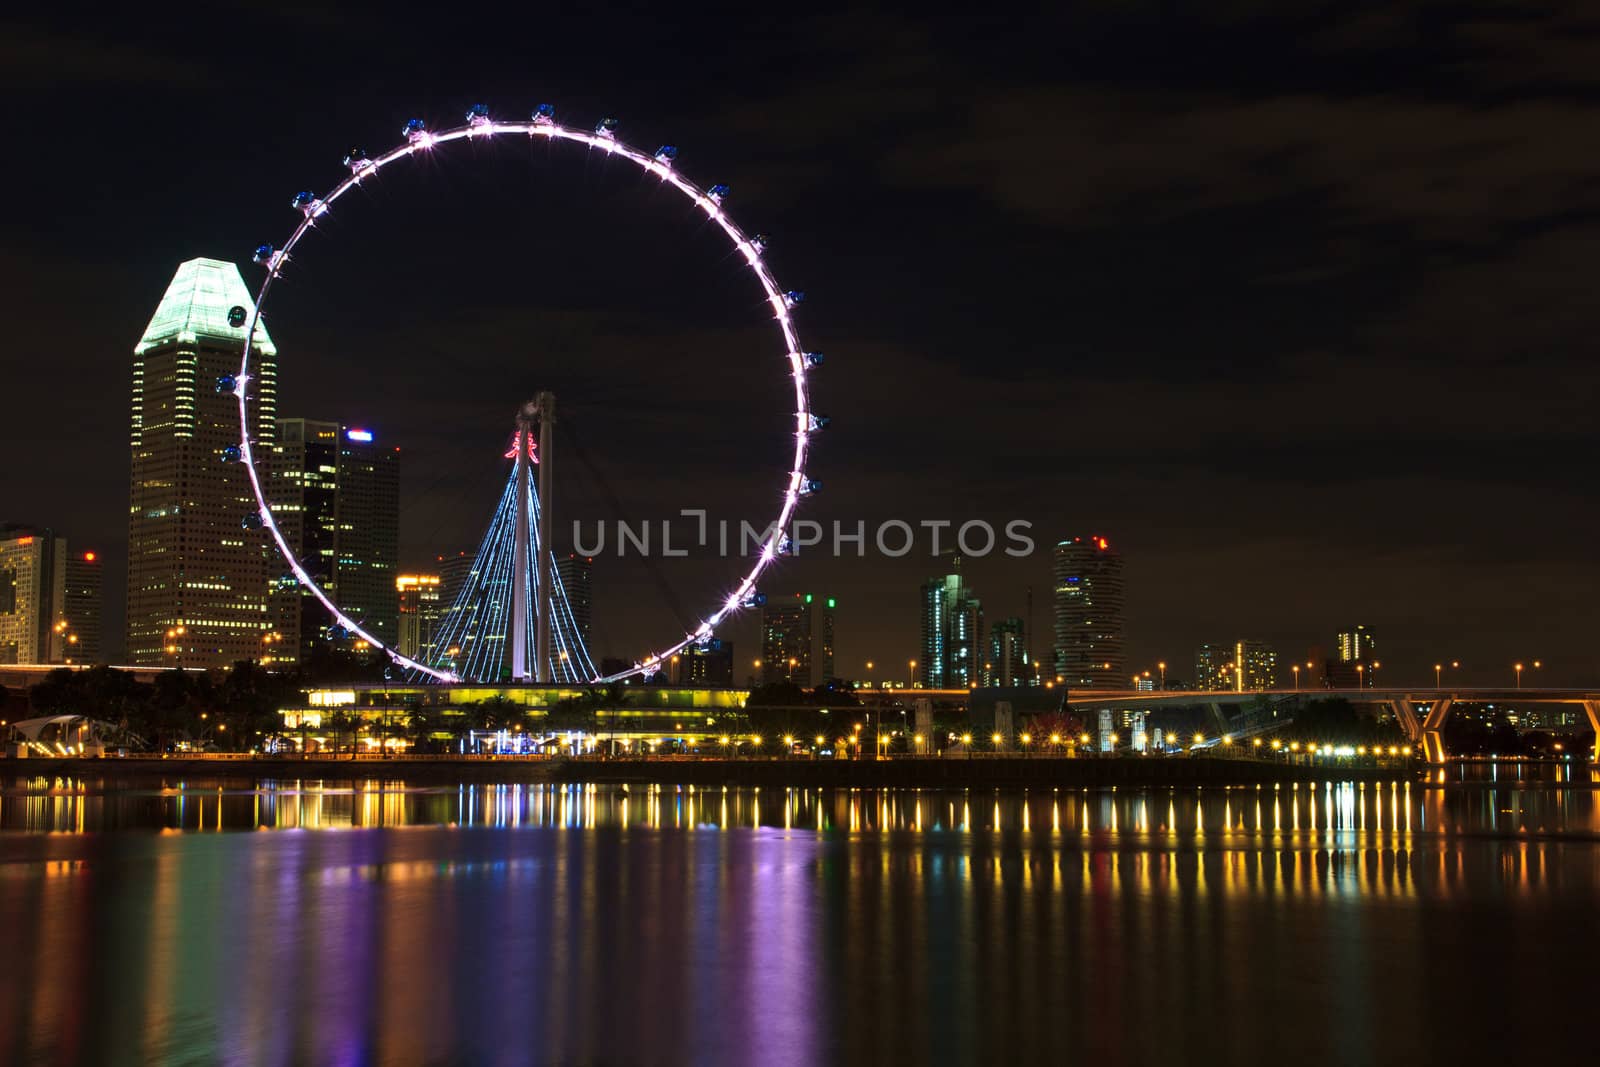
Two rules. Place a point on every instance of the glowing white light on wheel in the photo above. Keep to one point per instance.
(479, 125)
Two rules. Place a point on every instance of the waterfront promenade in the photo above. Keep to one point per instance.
(900, 772)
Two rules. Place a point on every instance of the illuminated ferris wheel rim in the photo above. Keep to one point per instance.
(659, 163)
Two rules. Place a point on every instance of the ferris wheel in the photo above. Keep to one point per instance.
(479, 125)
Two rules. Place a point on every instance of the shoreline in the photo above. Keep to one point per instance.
(930, 773)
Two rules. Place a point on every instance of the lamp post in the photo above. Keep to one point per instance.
(1296, 670)
(1519, 675)
(1162, 667)
(911, 674)
(1438, 675)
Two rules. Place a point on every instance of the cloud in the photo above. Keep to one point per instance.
(37, 59)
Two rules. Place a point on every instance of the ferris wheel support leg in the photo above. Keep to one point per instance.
(541, 652)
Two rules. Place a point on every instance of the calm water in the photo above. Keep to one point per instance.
(325, 923)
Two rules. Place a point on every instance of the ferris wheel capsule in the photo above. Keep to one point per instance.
(307, 204)
(753, 600)
(231, 454)
(810, 487)
(793, 297)
(717, 194)
(268, 257)
(415, 130)
(760, 242)
(356, 159)
(820, 422)
(666, 154)
(251, 521)
(227, 383)
(478, 115)
(237, 316)
(544, 115)
(606, 128)
(812, 359)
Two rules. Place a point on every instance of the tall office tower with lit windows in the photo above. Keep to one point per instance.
(197, 558)
(1089, 624)
(1356, 645)
(336, 498)
(84, 608)
(1213, 667)
(1353, 668)
(952, 632)
(1005, 663)
(797, 640)
(420, 611)
(577, 581)
(32, 590)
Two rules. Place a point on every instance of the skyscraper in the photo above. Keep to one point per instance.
(1356, 645)
(1255, 666)
(577, 579)
(367, 538)
(1353, 668)
(1213, 667)
(797, 640)
(32, 592)
(1089, 626)
(707, 665)
(952, 632)
(420, 610)
(1005, 663)
(195, 568)
(84, 608)
(336, 497)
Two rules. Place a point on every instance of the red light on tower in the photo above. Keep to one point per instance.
(88, 557)
(1101, 543)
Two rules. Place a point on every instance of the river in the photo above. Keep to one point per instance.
(325, 922)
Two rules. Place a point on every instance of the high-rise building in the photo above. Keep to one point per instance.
(1213, 667)
(336, 498)
(1006, 662)
(1356, 659)
(952, 632)
(420, 610)
(1255, 666)
(367, 541)
(709, 665)
(577, 573)
(32, 595)
(197, 559)
(797, 640)
(84, 608)
(1089, 625)
(1356, 645)
(1235, 667)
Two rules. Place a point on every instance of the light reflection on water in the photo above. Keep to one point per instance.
(1339, 812)
(504, 923)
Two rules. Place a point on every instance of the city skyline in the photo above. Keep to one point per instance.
(1200, 379)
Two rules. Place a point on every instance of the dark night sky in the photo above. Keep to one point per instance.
(1292, 302)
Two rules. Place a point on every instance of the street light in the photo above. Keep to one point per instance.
(1438, 675)
(1296, 670)
(1162, 667)
(911, 674)
(1519, 676)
